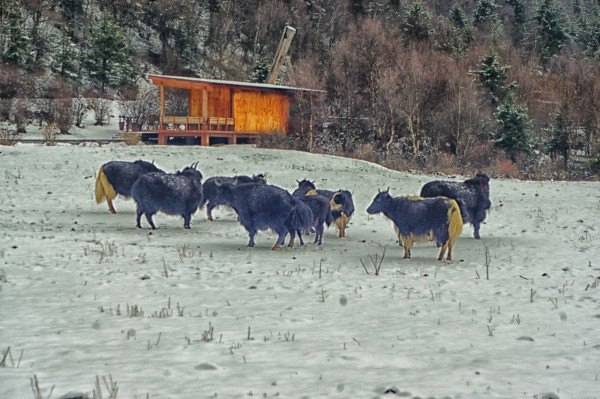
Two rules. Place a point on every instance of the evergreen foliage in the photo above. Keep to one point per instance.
(494, 77)
(462, 25)
(17, 48)
(485, 10)
(417, 23)
(108, 61)
(260, 70)
(65, 58)
(552, 29)
(560, 131)
(513, 133)
(519, 19)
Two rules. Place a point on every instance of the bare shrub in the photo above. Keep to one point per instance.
(506, 168)
(61, 114)
(101, 108)
(131, 138)
(18, 112)
(140, 106)
(79, 107)
(8, 136)
(49, 133)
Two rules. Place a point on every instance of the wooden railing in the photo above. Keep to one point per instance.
(213, 123)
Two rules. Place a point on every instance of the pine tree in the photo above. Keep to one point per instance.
(561, 136)
(260, 70)
(18, 49)
(494, 77)
(513, 128)
(65, 58)
(552, 29)
(108, 61)
(485, 10)
(591, 44)
(519, 19)
(417, 23)
(462, 27)
(71, 9)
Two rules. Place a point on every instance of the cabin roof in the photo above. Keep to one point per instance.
(229, 83)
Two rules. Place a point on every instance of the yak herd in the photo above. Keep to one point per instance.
(437, 215)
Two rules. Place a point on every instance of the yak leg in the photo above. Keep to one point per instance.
(187, 218)
(281, 238)
(251, 234)
(443, 251)
(111, 208)
(319, 237)
(476, 226)
(138, 219)
(449, 257)
(209, 208)
(149, 219)
(407, 245)
(292, 238)
(299, 237)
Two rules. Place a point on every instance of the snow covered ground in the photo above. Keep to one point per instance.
(221, 320)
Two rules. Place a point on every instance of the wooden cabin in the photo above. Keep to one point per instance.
(221, 111)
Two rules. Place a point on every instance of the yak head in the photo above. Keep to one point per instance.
(260, 178)
(379, 202)
(191, 173)
(480, 182)
(310, 185)
(338, 198)
(146, 166)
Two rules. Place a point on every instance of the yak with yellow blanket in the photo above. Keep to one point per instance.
(421, 219)
(118, 177)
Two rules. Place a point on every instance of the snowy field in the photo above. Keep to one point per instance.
(195, 314)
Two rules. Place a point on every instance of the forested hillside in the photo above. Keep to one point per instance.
(507, 85)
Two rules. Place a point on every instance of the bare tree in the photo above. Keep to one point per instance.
(101, 107)
(141, 108)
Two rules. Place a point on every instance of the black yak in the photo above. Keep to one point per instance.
(472, 195)
(421, 219)
(341, 203)
(322, 215)
(178, 193)
(210, 189)
(117, 177)
(263, 206)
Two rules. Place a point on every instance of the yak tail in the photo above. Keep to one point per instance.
(104, 190)
(302, 217)
(455, 222)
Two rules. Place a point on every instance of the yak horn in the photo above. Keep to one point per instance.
(388, 189)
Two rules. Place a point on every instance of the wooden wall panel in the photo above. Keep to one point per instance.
(219, 102)
(195, 105)
(260, 112)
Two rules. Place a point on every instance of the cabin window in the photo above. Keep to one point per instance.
(176, 101)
